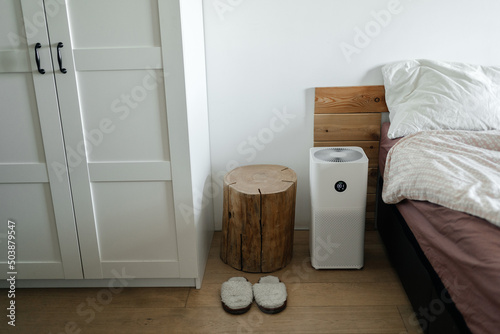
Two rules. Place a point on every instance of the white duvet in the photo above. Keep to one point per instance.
(456, 169)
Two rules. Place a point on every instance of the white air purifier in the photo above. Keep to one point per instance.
(338, 178)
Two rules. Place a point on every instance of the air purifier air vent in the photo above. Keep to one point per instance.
(338, 154)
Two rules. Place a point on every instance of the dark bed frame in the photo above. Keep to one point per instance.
(434, 310)
(346, 113)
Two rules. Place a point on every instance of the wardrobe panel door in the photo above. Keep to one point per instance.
(127, 120)
(34, 186)
(37, 247)
(132, 230)
(114, 23)
(19, 119)
(113, 101)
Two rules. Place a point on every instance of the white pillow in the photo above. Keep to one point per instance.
(433, 95)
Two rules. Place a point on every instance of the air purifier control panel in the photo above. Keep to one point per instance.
(340, 186)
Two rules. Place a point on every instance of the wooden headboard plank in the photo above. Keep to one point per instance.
(348, 100)
(329, 127)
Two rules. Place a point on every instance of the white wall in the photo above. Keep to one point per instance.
(264, 57)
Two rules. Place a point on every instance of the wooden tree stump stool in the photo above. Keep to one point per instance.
(258, 217)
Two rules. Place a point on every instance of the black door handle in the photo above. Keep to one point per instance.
(37, 58)
(59, 57)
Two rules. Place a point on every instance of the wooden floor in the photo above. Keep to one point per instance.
(370, 300)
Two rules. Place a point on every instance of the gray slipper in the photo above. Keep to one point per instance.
(270, 295)
(236, 295)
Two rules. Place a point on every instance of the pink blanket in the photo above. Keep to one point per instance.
(459, 170)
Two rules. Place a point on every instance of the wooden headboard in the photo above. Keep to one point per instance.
(351, 116)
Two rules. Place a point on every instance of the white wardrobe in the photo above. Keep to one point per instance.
(104, 144)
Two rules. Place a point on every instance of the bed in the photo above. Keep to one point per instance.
(437, 252)
(448, 260)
